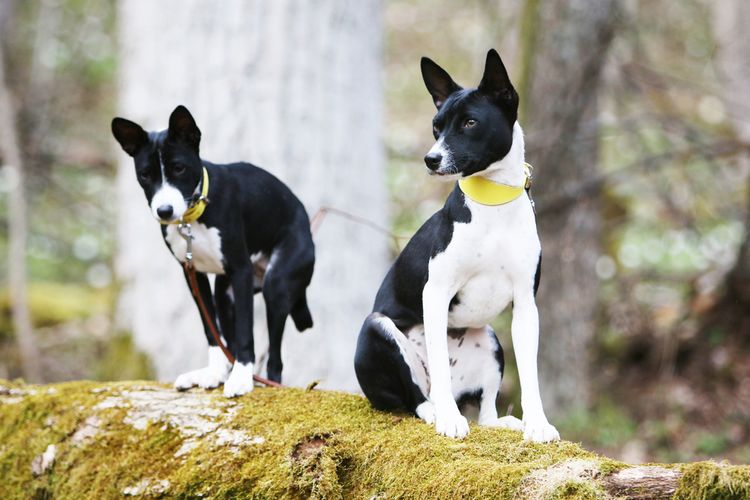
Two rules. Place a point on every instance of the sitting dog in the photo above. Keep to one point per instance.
(240, 218)
(427, 346)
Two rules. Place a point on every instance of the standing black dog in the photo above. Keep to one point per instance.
(427, 344)
(240, 216)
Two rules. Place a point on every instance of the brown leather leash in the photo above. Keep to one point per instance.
(186, 233)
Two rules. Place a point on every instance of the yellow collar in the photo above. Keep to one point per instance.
(196, 207)
(487, 192)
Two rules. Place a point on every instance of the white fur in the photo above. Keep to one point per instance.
(472, 364)
(207, 255)
(413, 354)
(488, 262)
(209, 377)
(509, 170)
(426, 411)
(167, 194)
(446, 164)
(240, 380)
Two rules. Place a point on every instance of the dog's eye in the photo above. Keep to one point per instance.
(435, 131)
(178, 168)
(470, 123)
(144, 176)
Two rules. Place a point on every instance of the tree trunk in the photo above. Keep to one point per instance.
(10, 154)
(93, 440)
(731, 19)
(293, 87)
(574, 37)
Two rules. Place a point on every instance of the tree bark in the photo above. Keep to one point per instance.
(731, 19)
(10, 154)
(293, 87)
(290, 443)
(570, 53)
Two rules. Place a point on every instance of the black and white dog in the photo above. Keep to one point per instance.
(251, 219)
(427, 346)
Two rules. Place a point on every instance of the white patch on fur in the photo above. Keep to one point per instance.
(409, 352)
(207, 255)
(473, 366)
(209, 377)
(167, 194)
(426, 411)
(507, 422)
(448, 420)
(240, 381)
(445, 170)
(510, 169)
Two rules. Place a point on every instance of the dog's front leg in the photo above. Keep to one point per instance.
(525, 333)
(218, 367)
(448, 420)
(241, 379)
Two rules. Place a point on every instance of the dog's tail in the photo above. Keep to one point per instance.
(301, 314)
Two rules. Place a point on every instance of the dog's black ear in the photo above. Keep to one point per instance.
(130, 135)
(495, 81)
(439, 83)
(182, 127)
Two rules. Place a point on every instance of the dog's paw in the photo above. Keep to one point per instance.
(205, 378)
(449, 422)
(540, 431)
(426, 411)
(509, 422)
(240, 381)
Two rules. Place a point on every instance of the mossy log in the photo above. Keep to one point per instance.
(103, 440)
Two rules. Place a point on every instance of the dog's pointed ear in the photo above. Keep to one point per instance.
(496, 82)
(439, 83)
(182, 127)
(129, 134)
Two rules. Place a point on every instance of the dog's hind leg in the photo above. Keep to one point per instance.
(390, 371)
(277, 310)
(477, 365)
(287, 276)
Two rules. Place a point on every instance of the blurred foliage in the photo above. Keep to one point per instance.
(52, 303)
(61, 58)
(121, 360)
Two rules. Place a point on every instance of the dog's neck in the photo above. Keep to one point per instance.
(509, 170)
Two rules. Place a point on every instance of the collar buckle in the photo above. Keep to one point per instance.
(186, 231)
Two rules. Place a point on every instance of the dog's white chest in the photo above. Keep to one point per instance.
(485, 259)
(207, 255)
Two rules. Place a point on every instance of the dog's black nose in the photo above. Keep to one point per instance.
(432, 160)
(165, 211)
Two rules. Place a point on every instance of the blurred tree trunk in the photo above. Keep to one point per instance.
(293, 87)
(563, 74)
(10, 154)
(731, 19)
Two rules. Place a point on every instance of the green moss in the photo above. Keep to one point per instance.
(608, 466)
(579, 490)
(272, 443)
(711, 480)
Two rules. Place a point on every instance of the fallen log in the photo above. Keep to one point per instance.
(103, 440)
